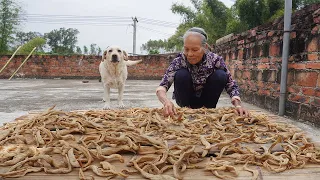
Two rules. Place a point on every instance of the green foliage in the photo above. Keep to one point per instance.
(252, 12)
(36, 42)
(257, 12)
(212, 15)
(78, 50)
(9, 22)
(276, 15)
(235, 26)
(153, 44)
(298, 4)
(218, 20)
(175, 42)
(186, 12)
(23, 37)
(85, 50)
(93, 49)
(62, 41)
(154, 51)
(99, 51)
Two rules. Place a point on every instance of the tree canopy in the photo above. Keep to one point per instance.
(219, 20)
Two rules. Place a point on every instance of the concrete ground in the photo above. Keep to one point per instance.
(20, 96)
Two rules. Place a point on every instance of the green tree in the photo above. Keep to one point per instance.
(93, 49)
(85, 50)
(298, 4)
(78, 50)
(187, 13)
(62, 41)
(234, 24)
(36, 42)
(253, 13)
(154, 45)
(99, 51)
(215, 18)
(9, 21)
(154, 51)
(24, 37)
(219, 20)
(175, 42)
(212, 15)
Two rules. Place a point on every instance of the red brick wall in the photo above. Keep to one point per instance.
(152, 67)
(254, 58)
(46, 66)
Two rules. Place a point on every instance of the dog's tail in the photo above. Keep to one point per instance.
(131, 63)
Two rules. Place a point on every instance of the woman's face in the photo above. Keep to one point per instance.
(193, 49)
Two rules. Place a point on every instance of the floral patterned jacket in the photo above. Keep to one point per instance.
(200, 73)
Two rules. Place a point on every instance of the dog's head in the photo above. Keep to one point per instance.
(114, 54)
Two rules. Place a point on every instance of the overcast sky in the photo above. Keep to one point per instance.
(148, 12)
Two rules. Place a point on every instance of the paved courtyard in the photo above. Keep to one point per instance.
(20, 96)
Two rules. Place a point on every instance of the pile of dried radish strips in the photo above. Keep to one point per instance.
(90, 142)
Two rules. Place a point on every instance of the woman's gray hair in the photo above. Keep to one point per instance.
(199, 31)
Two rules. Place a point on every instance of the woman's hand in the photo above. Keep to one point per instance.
(169, 109)
(242, 111)
(168, 106)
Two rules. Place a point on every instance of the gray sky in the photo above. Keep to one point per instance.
(148, 12)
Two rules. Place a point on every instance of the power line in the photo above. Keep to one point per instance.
(73, 16)
(93, 22)
(160, 24)
(156, 31)
(96, 17)
(77, 23)
(71, 19)
(159, 21)
(97, 21)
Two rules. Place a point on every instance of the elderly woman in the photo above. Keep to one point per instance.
(199, 77)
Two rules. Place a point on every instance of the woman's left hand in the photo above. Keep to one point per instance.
(242, 111)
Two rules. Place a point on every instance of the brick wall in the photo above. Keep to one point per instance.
(153, 66)
(47, 66)
(254, 58)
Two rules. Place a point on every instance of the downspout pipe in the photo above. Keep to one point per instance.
(285, 56)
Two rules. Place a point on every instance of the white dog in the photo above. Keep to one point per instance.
(113, 71)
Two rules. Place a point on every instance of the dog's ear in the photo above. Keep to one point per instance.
(104, 55)
(125, 55)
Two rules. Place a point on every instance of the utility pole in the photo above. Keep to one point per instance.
(135, 20)
(285, 55)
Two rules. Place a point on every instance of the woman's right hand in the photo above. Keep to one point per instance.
(169, 109)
